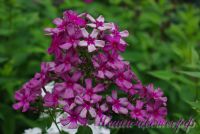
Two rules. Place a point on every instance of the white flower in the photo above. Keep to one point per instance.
(33, 131)
(48, 87)
(99, 129)
(53, 129)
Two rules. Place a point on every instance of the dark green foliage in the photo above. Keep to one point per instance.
(164, 48)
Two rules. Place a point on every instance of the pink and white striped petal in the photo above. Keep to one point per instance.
(99, 43)
(83, 113)
(94, 33)
(92, 112)
(92, 25)
(83, 43)
(91, 48)
(90, 18)
(66, 46)
(100, 18)
(84, 32)
(123, 110)
(58, 21)
(124, 33)
(105, 26)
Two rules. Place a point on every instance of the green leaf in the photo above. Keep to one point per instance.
(3, 59)
(162, 74)
(192, 74)
(195, 105)
(84, 130)
(115, 2)
(8, 125)
(114, 130)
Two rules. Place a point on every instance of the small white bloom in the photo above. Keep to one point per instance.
(48, 87)
(53, 129)
(99, 129)
(33, 131)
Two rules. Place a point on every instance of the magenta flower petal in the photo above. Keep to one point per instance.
(88, 83)
(76, 76)
(79, 100)
(65, 121)
(66, 46)
(73, 125)
(99, 88)
(92, 112)
(96, 98)
(123, 110)
(58, 21)
(18, 105)
(109, 99)
(83, 113)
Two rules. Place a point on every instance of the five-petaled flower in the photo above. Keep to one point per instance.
(118, 105)
(90, 40)
(99, 23)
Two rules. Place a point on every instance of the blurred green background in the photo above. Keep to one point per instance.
(164, 49)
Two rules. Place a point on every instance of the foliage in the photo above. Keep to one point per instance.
(164, 48)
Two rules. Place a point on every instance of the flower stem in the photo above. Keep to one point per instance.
(54, 120)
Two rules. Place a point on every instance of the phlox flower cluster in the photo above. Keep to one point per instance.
(92, 82)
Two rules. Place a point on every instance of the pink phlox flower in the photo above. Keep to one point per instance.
(99, 61)
(118, 105)
(60, 27)
(131, 91)
(54, 48)
(124, 79)
(99, 23)
(157, 94)
(51, 99)
(47, 67)
(115, 61)
(71, 16)
(24, 98)
(91, 92)
(137, 111)
(115, 31)
(115, 43)
(65, 63)
(134, 89)
(70, 88)
(102, 118)
(73, 37)
(156, 112)
(86, 107)
(73, 119)
(90, 40)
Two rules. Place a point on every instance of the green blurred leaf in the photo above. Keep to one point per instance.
(162, 74)
(115, 2)
(8, 125)
(84, 130)
(3, 59)
(195, 105)
(192, 74)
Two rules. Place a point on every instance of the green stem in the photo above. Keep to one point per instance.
(54, 120)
